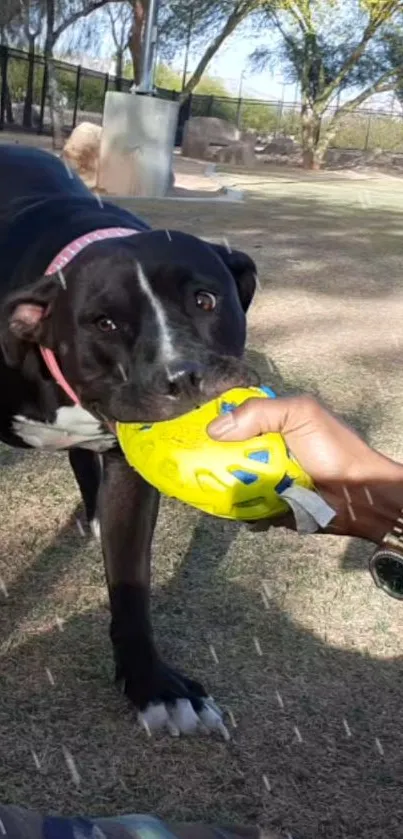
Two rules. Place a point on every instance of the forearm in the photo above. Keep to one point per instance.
(371, 502)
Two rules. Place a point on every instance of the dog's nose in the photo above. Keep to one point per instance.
(184, 377)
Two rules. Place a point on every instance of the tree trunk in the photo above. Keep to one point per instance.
(310, 130)
(29, 94)
(55, 107)
(8, 103)
(9, 107)
(119, 69)
(136, 36)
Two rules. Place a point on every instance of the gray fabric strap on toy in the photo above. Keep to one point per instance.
(311, 511)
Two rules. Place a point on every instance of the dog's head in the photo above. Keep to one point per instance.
(144, 328)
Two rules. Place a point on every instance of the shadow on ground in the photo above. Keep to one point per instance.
(319, 711)
(322, 724)
(290, 236)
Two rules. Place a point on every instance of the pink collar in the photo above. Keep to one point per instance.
(58, 263)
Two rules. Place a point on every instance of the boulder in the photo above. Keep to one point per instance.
(201, 132)
(238, 154)
(282, 145)
(81, 152)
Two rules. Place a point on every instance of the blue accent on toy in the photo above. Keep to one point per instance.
(228, 407)
(268, 391)
(283, 484)
(262, 456)
(246, 477)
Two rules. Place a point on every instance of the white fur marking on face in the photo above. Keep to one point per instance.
(72, 426)
(166, 345)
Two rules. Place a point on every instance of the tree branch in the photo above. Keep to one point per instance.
(372, 27)
(242, 9)
(380, 86)
(282, 31)
(73, 18)
(298, 18)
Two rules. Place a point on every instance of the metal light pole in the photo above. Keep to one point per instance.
(138, 133)
(238, 110)
(150, 38)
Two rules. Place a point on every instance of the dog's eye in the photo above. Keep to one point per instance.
(206, 300)
(105, 324)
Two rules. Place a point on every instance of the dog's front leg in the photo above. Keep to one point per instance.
(128, 509)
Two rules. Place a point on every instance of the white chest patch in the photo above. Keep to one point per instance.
(72, 426)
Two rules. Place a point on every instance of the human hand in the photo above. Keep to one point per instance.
(364, 487)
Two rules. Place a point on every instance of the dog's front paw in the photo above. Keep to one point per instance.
(180, 717)
(174, 703)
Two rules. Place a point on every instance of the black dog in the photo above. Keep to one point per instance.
(97, 324)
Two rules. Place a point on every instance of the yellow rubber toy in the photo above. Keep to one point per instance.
(228, 480)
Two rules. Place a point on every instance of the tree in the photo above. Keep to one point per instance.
(32, 15)
(60, 15)
(8, 11)
(224, 20)
(330, 47)
(24, 29)
(201, 17)
(120, 18)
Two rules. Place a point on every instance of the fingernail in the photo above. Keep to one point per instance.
(221, 426)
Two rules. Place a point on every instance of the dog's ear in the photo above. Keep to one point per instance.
(243, 270)
(25, 317)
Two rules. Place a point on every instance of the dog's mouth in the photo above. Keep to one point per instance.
(132, 404)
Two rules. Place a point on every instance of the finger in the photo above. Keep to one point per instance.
(252, 418)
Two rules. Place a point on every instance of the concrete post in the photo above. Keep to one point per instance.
(137, 143)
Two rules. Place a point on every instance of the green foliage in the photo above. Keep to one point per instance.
(370, 131)
(17, 76)
(355, 131)
(166, 78)
(171, 80)
(92, 87)
(202, 19)
(329, 47)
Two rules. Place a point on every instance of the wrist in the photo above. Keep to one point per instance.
(368, 500)
(376, 498)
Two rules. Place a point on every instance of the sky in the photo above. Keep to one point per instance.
(231, 65)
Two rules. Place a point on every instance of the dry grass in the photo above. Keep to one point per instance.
(329, 318)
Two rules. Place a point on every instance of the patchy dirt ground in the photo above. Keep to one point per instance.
(319, 713)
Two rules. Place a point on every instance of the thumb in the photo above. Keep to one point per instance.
(253, 417)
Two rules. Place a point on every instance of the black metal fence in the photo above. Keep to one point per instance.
(23, 105)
